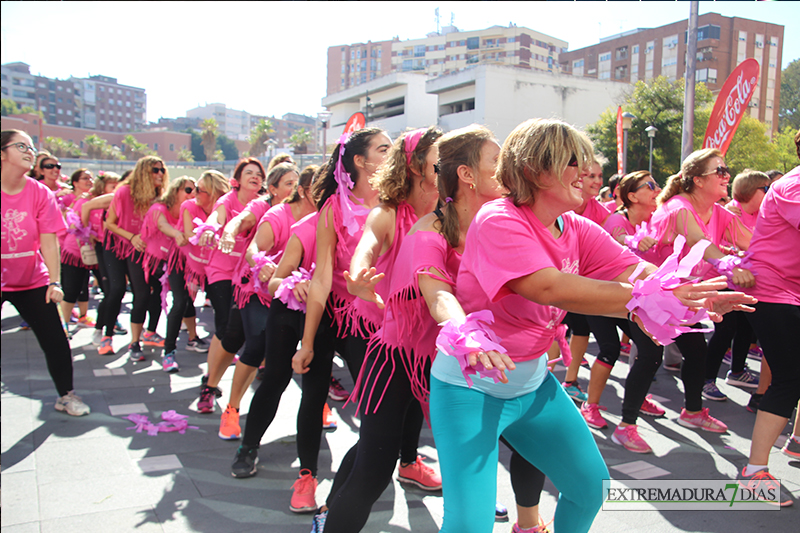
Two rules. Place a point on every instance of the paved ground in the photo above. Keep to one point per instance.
(92, 474)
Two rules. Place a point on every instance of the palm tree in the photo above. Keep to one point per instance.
(96, 146)
(219, 155)
(208, 134)
(134, 149)
(61, 148)
(185, 155)
(258, 136)
(299, 141)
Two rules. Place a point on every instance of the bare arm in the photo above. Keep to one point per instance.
(52, 260)
(111, 225)
(290, 261)
(217, 216)
(164, 227)
(101, 202)
(238, 224)
(376, 240)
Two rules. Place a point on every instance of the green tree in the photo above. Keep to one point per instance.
(749, 148)
(785, 149)
(219, 155)
(209, 130)
(657, 102)
(228, 147)
(299, 141)
(790, 96)
(134, 149)
(9, 107)
(61, 148)
(258, 136)
(185, 155)
(96, 147)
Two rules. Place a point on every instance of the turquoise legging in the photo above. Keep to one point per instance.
(544, 426)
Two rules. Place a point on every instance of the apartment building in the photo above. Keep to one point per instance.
(96, 102)
(288, 125)
(233, 123)
(722, 43)
(439, 53)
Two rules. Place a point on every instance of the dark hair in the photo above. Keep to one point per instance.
(306, 180)
(357, 144)
(628, 184)
(613, 181)
(237, 173)
(774, 174)
(77, 176)
(125, 175)
(6, 135)
(278, 172)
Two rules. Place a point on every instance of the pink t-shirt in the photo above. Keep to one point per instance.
(748, 219)
(26, 216)
(258, 207)
(506, 242)
(664, 222)
(96, 217)
(221, 266)
(610, 205)
(306, 231)
(776, 243)
(194, 258)
(128, 218)
(595, 211)
(618, 224)
(158, 245)
(70, 247)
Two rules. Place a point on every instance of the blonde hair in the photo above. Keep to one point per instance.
(100, 181)
(694, 165)
(746, 183)
(216, 182)
(143, 190)
(278, 159)
(393, 179)
(539, 146)
(170, 194)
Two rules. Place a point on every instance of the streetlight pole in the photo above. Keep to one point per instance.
(651, 132)
(627, 120)
(324, 117)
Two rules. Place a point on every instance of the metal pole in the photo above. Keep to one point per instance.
(366, 109)
(324, 138)
(687, 137)
(651, 155)
(624, 151)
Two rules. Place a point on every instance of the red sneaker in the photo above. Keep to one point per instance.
(229, 428)
(303, 500)
(420, 475)
(328, 422)
(701, 420)
(649, 407)
(591, 413)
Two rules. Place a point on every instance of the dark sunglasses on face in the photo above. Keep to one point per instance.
(157, 170)
(649, 184)
(189, 190)
(51, 166)
(765, 188)
(720, 170)
(22, 147)
(201, 191)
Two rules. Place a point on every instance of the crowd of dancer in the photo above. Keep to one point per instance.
(439, 268)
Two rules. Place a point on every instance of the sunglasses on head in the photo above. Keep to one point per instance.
(51, 166)
(720, 170)
(189, 190)
(649, 184)
(157, 170)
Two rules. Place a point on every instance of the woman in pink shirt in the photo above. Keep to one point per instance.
(526, 258)
(30, 261)
(229, 335)
(50, 175)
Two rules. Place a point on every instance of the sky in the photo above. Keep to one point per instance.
(269, 58)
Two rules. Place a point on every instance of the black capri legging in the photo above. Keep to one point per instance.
(605, 332)
(577, 324)
(182, 306)
(75, 282)
(143, 303)
(227, 317)
(46, 325)
(775, 324)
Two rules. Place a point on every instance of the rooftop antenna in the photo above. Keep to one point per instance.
(452, 19)
(437, 19)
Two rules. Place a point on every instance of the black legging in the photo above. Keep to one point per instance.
(227, 317)
(182, 307)
(46, 325)
(776, 325)
(605, 332)
(75, 282)
(285, 331)
(734, 327)
(101, 273)
(142, 301)
(648, 359)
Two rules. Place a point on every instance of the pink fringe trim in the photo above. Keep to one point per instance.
(122, 248)
(68, 258)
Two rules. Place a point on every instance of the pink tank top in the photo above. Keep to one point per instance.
(158, 244)
(306, 231)
(192, 258)
(70, 247)
(221, 266)
(128, 219)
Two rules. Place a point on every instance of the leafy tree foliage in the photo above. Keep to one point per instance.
(300, 139)
(61, 148)
(258, 136)
(790, 96)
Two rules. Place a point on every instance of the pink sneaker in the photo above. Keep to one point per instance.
(649, 407)
(625, 348)
(420, 475)
(701, 420)
(303, 500)
(628, 437)
(591, 413)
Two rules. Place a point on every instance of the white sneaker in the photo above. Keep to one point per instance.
(97, 337)
(72, 404)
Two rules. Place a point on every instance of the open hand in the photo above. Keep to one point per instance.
(363, 285)
(493, 359)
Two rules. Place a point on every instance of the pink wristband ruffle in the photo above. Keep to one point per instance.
(261, 259)
(459, 339)
(726, 265)
(77, 229)
(285, 292)
(652, 300)
(632, 241)
(200, 226)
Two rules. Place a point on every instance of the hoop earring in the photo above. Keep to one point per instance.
(472, 186)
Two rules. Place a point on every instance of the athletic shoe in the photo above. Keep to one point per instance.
(541, 528)
(207, 303)
(336, 392)
(755, 401)
(651, 408)
(591, 413)
(303, 496)
(197, 345)
(745, 379)
(574, 391)
(260, 373)
(628, 437)
(701, 420)
(728, 357)
(763, 482)
(318, 524)
(229, 424)
(74, 317)
(585, 363)
(244, 462)
(72, 405)
(756, 353)
(204, 382)
(419, 474)
(328, 422)
(86, 322)
(625, 348)
(711, 392)
(119, 330)
(676, 367)
(105, 347)
(500, 512)
(24, 326)
(168, 362)
(151, 338)
(792, 447)
(207, 400)
(136, 352)
(97, 337)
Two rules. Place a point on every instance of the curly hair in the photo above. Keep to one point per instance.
(99, 187)
(170, 194)
(393, 180)
(143, 190)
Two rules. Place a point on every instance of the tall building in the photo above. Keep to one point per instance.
(450, 50)
(233, 123)
(96, 102)
(722, 43)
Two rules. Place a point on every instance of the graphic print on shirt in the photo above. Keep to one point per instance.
(11, 228)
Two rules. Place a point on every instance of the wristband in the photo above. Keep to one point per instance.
(461, 338)
(285, 292)
(726, 265)
(54, 284)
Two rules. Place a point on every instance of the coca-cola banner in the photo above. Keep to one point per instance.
(731, 104)
(619, 140)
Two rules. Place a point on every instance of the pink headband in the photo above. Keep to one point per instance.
(411, 141)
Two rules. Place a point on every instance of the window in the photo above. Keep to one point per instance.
(60, 100)
(119, 91)
(102, 122)
(171, 147)
(119, 124)
(42, 85)
(708, 31)
(419, 50)
(363, 64)
(636, 49)
(69, 90)
(773, 41)
(127, 104)
(379, 52)
(155, 145)
(127, 93)
(102, 88)
(69, 112)
(127, 115)
(60, 111)
(102, 111)
(119, 103)
(406, 64)
(620, 73)
(473, 43)
(621, 53)
(605, 57)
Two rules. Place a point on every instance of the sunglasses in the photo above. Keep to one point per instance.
(720, 170)
(159, 170)
(188, 190)
(22, 147)
(85, 178)
(51, 166)
(765, 188)
(649, 184)
(573, 162)
(201, 191)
